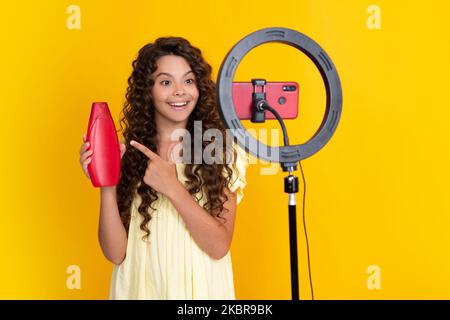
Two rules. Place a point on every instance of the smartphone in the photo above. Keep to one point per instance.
(282, 96)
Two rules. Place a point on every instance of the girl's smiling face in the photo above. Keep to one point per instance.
(175, 91)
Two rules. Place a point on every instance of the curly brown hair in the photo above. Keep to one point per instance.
(138, 123)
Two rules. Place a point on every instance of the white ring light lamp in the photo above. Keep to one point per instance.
(287, 154)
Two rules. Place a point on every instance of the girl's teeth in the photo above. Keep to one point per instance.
(178, 104)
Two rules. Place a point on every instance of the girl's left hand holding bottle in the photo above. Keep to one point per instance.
(161, 175)
(86, 153)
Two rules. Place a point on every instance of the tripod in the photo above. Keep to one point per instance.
(260, 106)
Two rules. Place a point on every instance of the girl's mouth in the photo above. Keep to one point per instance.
(178, 105)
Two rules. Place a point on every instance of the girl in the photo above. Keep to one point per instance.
(167, 227)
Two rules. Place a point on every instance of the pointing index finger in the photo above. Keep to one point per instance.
(149, 153)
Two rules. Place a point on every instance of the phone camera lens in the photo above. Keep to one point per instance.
(289, 88)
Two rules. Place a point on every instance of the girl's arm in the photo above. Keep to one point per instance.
(111, 232)
(211, 234)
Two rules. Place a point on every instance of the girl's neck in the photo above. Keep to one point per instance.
(166, 130)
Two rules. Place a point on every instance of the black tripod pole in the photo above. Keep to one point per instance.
(291, 188)
(260, 106)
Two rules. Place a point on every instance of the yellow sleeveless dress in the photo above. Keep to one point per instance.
(170, 265)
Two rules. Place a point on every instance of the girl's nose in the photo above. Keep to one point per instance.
(179, 90)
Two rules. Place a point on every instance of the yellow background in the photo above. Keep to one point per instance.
(377, 193)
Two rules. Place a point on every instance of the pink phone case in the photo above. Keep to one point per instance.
(242, 99)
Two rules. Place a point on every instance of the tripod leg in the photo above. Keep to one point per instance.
(293, 250)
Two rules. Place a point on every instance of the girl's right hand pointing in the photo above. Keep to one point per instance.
(85, 155)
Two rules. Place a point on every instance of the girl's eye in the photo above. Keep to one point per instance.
(190, 81)
(165, 82)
